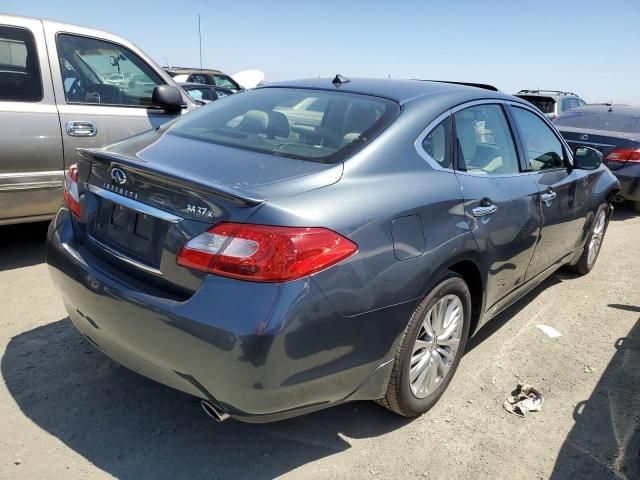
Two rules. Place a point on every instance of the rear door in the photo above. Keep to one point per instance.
(31, 161)
(103, 88)
(501, 203)
(562, 189)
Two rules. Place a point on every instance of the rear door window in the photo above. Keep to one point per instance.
(485, 144)
(569, 103)
(104, 73)
(20, 79)
(542, 147)
(279, 121)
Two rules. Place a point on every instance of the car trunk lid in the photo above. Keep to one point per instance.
(602, 140)
(145, 198)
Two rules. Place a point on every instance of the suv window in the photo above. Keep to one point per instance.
(484, 141)
(200, 78)
(437, 143)
(544, 104)
(96, 71)
(542, 147)
(225, 82)
(569, 103)
(19, 70)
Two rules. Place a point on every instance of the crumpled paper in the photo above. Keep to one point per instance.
(524, 399)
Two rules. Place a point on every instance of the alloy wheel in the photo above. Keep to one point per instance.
(596, 237)
(436, 345)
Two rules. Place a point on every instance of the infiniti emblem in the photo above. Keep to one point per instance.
(118, 176)
(584, 137)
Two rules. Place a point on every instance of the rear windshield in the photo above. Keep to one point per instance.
(627, 122)
(545, 104)
(298, 123)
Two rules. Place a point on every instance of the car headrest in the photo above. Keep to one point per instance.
(254, 121)
(278, 125)
(466, 132)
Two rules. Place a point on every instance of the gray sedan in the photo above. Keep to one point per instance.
(315, 242)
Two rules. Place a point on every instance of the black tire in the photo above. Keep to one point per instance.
(399, 397)
(636, 207)
(583, 265)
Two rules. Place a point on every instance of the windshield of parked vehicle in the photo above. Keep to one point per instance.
(545, 104)
(627, 121)
(297, 123)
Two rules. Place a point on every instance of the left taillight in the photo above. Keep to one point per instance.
(70, 193)
(265, 253)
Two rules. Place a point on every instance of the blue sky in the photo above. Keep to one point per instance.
(589, 47)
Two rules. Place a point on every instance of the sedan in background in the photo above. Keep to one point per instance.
(615, 131)
(205, 76)
(309, 243)
(205, 93)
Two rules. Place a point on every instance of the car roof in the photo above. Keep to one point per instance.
(401, 91)
(546, 93)
(607, 108)
(187, 71)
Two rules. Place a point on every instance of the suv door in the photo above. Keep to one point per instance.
(501, 203)
(562, 189)
(104, 90)
(31, 155)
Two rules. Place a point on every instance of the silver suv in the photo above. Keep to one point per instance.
(552, 102)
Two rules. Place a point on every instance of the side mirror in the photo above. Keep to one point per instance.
(168, 98)
(586, 158)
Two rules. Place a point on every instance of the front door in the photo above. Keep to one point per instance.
(501, 203)
(562, 190)
(31, 145)
(104, 91)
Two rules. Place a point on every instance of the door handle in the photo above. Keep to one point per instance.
(548, 197)
(484, 210)
(81, 128)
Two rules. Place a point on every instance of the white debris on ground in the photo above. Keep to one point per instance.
(549, 331)
(525, 399)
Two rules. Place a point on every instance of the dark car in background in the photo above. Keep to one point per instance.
(615, 131)
(273, 262)
(205, 93)
(552, 102)
(205, 76)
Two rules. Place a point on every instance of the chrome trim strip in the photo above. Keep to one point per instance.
(125, 259)
(31, 180)
(133, 204)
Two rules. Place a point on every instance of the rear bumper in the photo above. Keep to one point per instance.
(629, 178)
(261, 352)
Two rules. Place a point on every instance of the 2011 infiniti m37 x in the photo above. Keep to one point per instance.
(305, 244)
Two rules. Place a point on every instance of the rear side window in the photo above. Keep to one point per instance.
(96, 71)
(544, 104)
(20, 79)
(484, 141)
(542, 147)
(297, 123)
(437, 143)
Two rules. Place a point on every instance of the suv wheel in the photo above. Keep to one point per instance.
(430, 348)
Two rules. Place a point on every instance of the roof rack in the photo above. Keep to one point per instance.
(484, 86)
(559, 92)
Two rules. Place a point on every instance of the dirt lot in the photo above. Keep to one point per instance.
(66, 411)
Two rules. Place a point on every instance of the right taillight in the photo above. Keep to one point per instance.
(70, 192)
(624, 155)
(265, 253)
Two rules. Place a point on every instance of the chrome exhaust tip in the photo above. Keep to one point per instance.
(213, 411)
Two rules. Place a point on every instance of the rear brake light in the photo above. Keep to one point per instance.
(624, 154)
(70, 193)
(264, 253)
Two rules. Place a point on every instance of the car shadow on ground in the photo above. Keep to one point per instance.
(22, 245)
(605, 440)
(133, 428)
(623, 211)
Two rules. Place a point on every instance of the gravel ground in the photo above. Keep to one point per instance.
(67, 411)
